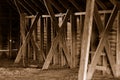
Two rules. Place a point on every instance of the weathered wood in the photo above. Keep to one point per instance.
(26, 40)
(74, 47)
(23, 34)
(54, 23)
(107, 44)
(55, 42)
(42, 38)
(86, 40)
(63, 60)
(118, 46)
(48, 25)
(102, 42)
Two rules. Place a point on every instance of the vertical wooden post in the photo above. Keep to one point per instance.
(23, 34)
(10, 36)
(73, 49)
(118, 46)
(48, 34)
(82, 75)
(42, 37)
(34, 39)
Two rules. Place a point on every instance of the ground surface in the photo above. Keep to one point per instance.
(10, 72)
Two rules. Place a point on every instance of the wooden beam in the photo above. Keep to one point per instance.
(57, 6)
(33, 26)
(77, 6)
(64, 3)
(82, 75)
(118, 46)
(55, 43)
(113, 2)
(102, 42)
(74, 36)
(26, 8)
(101, 4)
(107, 44)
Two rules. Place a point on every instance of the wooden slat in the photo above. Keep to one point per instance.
(86, 40)
(102, 42)
(18, 58)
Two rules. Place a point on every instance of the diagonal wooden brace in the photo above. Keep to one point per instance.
(86, 40)
(102, 42)
(56, 41)
(58, 37)
(27, 38)
(107, 43)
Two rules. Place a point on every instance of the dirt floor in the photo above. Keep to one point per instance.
(10, 72)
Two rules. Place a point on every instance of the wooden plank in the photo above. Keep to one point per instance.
(55, 42)
(26, 40)
(82, 75)
(118, 46)
(74, 36)
(102, 42)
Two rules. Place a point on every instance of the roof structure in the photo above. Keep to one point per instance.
(59, 6)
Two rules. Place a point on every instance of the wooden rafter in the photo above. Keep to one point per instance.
(32, 7)
(64, 3)
(18, 58)
(77, 6)
(100, 3)
(86, 40)
(57, 6)
(38, 6)
(102, 43)
(30, 12)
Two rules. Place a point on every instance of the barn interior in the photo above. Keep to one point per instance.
(79, 37)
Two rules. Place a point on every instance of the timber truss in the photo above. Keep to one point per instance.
(85, 71)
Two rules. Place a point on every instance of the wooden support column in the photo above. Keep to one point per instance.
(48, 34)
(82, 75)
(74, 36)
(42, 38)
(23, 34)
(26, 40)
(104, 37)
(118, 46)
(63, 61)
